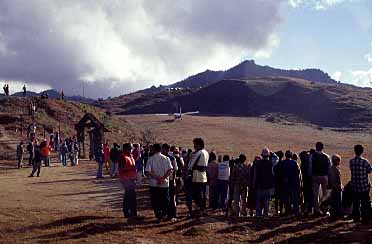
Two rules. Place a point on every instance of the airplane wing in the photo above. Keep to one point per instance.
(190, 113)
(164, 114)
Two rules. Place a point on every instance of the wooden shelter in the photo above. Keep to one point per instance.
(96, 131)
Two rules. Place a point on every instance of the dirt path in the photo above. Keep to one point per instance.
(68, 205)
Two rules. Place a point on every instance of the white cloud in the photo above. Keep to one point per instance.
(362, 78)
(337, 76)
(316, 4)
(119, 46)
(368, 57)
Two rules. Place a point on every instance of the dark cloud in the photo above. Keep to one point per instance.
(121, 46)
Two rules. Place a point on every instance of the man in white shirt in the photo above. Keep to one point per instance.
(172, 211)
(159, 168)
(198, 166)
(223, 182)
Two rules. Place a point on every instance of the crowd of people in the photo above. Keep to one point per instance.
(305, 184)
(40, 152)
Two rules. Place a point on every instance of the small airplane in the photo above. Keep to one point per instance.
(179, 115)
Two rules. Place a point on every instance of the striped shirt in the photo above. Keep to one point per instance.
(360, 168)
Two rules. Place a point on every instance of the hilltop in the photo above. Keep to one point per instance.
(55, 95)
(53, 114)
(327, 104)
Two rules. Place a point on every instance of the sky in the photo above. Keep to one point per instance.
(103, 48)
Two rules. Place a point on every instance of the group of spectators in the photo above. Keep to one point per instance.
(40, 152)
(306, 184)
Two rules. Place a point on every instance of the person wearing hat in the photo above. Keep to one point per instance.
(240, 181)
(264, 183)
(128, 177)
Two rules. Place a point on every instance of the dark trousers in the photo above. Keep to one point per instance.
(129, 199)
(172, 211)
(188, 191)
(335, 203)
(198, 190)
(222, 188)
(159, 201)
(30, 160)
(361, 206)
(308, 192)
(213, 202)
(292, 201)
(36, 167)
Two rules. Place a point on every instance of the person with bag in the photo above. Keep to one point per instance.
(198, 167)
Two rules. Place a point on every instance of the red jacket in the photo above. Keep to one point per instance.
(106, 151)
(127, 168)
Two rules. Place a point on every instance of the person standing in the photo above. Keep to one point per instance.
(45, 153)
(64, 152)
(56, 141)
(198, 166)
(20, 153)
(106, 151)
(172, 210)
(291, 174)
(31, 152)
(240, 181)
(360, 169)
(264, 183)
(320, 164)
(180, 166)
(100, 157)
(223, 182)
(212, 173)
(76, 152)
(37, 162)
(307, 181)
(24, 90)
(128, 176)
(115, 156)
(158, 169)
(335, 185)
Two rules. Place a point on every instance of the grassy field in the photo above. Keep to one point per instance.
(234, 135)
(68, 205)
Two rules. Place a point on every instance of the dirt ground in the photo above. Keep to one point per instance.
(68, 205)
